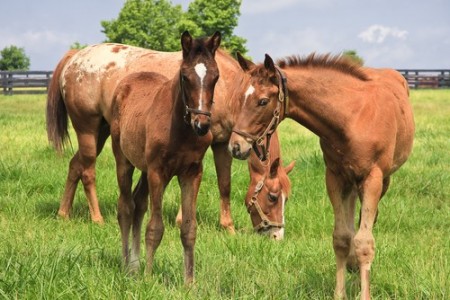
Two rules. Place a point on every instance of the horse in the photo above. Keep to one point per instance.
(365, 125)
(266, 202)
(81, 89)
(161, 127)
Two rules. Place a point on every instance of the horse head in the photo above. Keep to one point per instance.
(198, 76)
(266, 199)
(264, 104)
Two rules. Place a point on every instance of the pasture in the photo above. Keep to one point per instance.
(43, 257)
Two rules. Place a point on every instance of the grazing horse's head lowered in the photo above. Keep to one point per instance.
(267, 196)
(198, 75)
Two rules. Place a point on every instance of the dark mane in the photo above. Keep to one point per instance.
(336, 62)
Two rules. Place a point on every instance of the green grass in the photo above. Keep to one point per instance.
(42, 257)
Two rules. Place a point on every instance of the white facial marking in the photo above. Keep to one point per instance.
(200, 69)
(250, 90)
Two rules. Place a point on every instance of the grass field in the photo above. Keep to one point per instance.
(43, 257)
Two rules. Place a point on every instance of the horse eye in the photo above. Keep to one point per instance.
(263, 102)
(273, 197)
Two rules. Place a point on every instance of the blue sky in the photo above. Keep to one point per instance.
(386, 33)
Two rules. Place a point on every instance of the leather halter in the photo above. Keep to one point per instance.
(283, 101)
(188, 110)
(265, 222)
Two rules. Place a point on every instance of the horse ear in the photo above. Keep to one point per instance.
(269, 64)
(243, 62)
(186, 43)
(289, 167)
(213, 42)
(274, 167)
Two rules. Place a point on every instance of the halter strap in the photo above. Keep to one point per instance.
(265, 222)
(187, 109)
(283, 101)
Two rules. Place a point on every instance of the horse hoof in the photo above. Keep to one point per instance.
(230, 230)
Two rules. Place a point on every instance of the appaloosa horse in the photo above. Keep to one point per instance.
(365, 124)
(161, 127)
(82, 87)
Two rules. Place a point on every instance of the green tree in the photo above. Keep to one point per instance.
(146, 23)
(14, 58)
(157, 24)
(78, 46)
(351, 54)
(218, 15)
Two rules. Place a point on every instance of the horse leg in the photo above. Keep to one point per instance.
(222, 161)
(189, 183)
(140, 199)
(73, 177)
(343, 202)
(155, 227)
(370, 191)
(125, 206)
(82, 166)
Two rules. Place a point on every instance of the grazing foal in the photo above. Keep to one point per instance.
(161, 127)
(365, 123)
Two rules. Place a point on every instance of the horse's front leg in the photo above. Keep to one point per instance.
(223, 161)
(155, 227)
(371, 190)
(342, 197)
(189, 184)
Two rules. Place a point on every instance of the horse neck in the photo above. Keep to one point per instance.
(257, 167)
(317, 98)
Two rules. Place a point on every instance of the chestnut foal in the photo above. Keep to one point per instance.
(161, 127)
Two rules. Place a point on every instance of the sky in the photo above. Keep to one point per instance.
(401, 34)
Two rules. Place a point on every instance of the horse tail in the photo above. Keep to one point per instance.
(56, 112)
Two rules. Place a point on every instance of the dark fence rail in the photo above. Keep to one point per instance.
(427, 78)
(34, 82)
(25, 82)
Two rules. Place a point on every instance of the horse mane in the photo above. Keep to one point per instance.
(328, 61)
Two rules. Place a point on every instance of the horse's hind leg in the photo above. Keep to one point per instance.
(223, 160)
(140, 199)
(82, 166)
(125, 206)
(155, 227)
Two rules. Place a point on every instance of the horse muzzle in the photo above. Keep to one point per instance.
(239, 147)
(274, 233)
(201, 124)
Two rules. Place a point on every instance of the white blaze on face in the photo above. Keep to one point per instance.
(250, 90)
(200, 69)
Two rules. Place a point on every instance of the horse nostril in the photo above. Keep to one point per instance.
(236, 148)
(201, 129)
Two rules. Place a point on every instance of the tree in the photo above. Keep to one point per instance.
(146, 23)
(218, 15)
(78, 46)
(14, 58)
(352, 55)
(157, 24)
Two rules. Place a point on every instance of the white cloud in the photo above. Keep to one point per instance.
(271, 6)
(377, 34)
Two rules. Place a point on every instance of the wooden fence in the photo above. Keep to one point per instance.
(427, 78)
(25, 82)
(33, 82)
